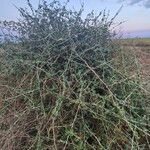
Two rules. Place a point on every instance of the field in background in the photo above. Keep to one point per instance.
(141, 48)
(141, 42)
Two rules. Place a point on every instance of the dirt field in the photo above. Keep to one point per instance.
(141, 49)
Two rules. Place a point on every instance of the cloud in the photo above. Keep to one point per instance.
(132, 2)
(145, 3)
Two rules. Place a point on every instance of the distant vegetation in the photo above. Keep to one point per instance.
(141, 42)
(65, 83)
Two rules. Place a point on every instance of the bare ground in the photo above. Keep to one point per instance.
(142, 55)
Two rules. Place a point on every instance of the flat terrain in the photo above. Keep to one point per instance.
(140, 42)
(141, 48)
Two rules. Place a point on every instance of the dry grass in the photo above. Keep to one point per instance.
(138, 42)
(141, 49)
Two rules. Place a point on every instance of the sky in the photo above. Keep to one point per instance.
(135, 13)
